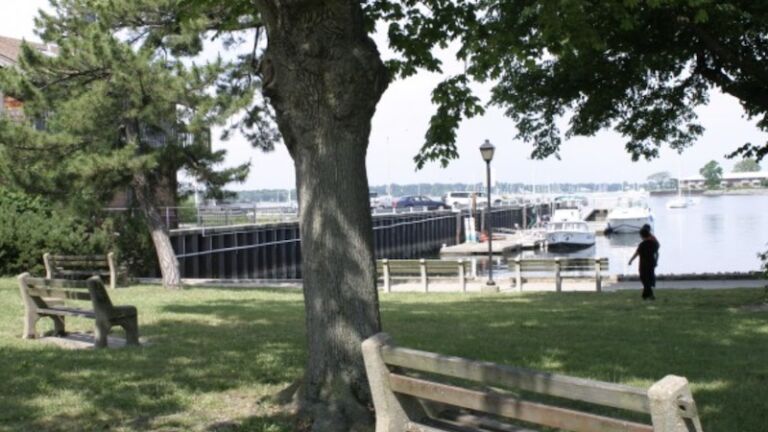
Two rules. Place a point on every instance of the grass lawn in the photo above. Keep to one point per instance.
(216, 353)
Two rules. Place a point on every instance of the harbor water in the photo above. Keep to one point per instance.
(716, 234)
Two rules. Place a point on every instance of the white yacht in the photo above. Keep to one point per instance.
(629, 215)
(567, 230)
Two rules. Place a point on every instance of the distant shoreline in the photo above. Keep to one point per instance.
(715, 192)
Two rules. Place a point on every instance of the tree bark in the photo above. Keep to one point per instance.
(324, 77)
(166, 257)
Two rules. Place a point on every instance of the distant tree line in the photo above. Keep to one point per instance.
(440, 189)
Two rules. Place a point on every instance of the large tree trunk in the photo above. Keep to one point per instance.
(166, 257)
(324, 77)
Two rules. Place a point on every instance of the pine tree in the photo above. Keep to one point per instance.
(116, 117)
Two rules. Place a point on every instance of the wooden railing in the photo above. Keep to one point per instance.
(407, 400)
(424, 269)
(560, 267)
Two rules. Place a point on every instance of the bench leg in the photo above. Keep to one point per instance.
(30, 323)
(131, 327)
(101, 331)
(59, 329)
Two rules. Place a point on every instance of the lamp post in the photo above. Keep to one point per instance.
(486, 150)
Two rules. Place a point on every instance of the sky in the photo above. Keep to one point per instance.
(402, 117)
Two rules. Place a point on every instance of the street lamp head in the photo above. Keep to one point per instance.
(487, 150)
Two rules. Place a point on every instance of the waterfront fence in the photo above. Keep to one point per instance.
(273, 251)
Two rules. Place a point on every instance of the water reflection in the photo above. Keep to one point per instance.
(719, 234)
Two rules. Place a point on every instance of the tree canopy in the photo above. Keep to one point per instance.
(746, 165)
(712, 173)
(116, 117)
(639, 67)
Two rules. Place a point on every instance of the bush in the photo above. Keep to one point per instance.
(133, 243)
(29, 227)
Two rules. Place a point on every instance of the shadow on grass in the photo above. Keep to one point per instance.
(615, 337)
(236, 351)
(213, 356)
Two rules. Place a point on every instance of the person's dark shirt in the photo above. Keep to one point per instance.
(648, 252)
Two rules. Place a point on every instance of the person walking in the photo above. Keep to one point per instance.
(648, 251)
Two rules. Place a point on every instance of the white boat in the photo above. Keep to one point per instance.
(678, 202)
(566, 230)
(629, 216)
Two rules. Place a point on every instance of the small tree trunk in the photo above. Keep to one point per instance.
(166, 257)
(324, 77)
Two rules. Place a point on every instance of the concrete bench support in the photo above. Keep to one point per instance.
(672, 406)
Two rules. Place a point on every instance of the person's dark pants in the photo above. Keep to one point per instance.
(649, 281)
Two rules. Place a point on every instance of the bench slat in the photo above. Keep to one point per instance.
(79, 257)
(420, 427)
(489, 423)
(597, 392)
(55, 283)
(59, 293)
(60, 311)
(511, 407)
(91, 272)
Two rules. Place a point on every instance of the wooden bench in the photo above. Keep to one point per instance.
(560, 267)
(48, 298)
(84, 266)
(498, 397)
(388, 269)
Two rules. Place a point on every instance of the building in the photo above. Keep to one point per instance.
(10, 49)
(728, 180)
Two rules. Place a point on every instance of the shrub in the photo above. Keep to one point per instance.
(133, 243)
(30, 226)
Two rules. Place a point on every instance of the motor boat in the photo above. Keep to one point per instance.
(629, 215)
(567, 230)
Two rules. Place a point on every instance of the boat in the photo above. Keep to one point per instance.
(678, 202)
(631, 213)
(567, 231)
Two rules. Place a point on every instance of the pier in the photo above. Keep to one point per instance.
(503, 244)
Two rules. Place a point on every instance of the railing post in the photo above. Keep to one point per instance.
(483, 214)
(459, 223)
(525, 216)
(385, 268)
(672, 406)
(167, 218)
(598, 277)
(424, 282)
(462, 276)
(558, 277)
(474, 268)
(518, 274)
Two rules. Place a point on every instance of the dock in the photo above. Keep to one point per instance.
(502, 243)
